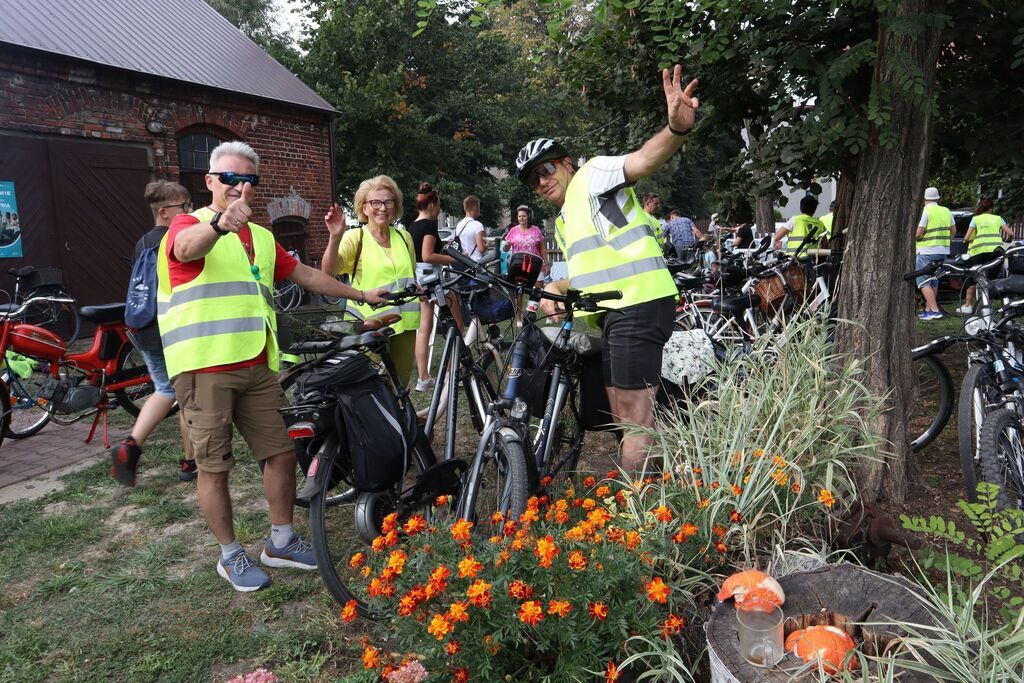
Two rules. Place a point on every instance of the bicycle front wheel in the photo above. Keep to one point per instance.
(1002, 457)
(933, 403)
(501, 484)
(566, 441)
(27, 409)
(977, 392)
(343, 523)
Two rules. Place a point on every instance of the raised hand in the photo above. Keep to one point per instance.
(682, 105)
(236, 216)
(335, 221)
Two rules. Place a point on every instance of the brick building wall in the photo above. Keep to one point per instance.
(55, 96)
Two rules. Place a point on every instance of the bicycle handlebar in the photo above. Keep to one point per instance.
(28, 302)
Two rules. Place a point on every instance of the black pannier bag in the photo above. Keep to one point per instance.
(525, 268)
(369, 425)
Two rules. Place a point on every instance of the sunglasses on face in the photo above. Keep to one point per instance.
(545, 170)
(231, 178)
(381, 203)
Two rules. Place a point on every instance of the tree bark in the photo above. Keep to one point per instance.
(879, 249)
(764, 214)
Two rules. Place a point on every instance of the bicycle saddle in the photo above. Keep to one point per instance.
(735, 305)
(104, 313)
(377, 323)
(22, 272)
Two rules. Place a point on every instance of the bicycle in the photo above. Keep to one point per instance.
(287, 295)
(67, 387)
(58, 313)
(344, 521)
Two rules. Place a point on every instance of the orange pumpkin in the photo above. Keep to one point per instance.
(750, 585)
(829, 644)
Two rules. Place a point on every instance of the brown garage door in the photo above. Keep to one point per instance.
(82, 209)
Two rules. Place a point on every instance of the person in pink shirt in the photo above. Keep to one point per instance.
(526, 238)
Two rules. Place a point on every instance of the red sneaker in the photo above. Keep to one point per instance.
(125, 458)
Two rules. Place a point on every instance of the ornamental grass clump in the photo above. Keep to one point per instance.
(768, 451)
(561, 593)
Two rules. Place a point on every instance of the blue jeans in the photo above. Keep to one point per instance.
(922, 261)
(158, 372)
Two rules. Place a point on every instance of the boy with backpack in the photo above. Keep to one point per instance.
(167, 200)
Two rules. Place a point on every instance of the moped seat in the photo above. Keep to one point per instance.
(104, 313)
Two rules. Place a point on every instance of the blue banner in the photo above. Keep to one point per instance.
(10, 222)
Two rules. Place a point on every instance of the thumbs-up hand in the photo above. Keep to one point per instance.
(236, 216)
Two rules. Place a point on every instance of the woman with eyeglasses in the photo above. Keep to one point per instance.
(377, 255)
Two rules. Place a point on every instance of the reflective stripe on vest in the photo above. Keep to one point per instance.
(988, 234)
(936, 234)
(804, 225)
(224, 315)
(391, 269)
(628, 258)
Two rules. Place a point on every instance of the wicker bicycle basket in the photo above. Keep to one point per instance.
(772, 288)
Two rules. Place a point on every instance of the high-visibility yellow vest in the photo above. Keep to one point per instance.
(393, 270)
(826, 221)
(988, 234)
(629, 259)
(224, 315)
(936, 234)
(804, 225)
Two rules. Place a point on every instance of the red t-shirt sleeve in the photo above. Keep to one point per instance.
(284, 263)
(181, 272)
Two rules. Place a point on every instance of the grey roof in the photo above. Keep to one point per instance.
(185, 40)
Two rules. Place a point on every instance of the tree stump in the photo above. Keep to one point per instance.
(840, 595)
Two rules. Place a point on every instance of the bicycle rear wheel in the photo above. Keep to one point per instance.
(1002, 457)
(29, 411)
(131, 362)
(566, 441)
(933, 402)
(343, 523)
(977, 392)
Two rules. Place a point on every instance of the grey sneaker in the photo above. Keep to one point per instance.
(242, 572)
(297, 554)
(427, 384)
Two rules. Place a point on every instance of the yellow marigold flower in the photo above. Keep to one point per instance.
(469, 568)
(599, 517)
(458, 611)
(662, 514)
(357, 560)
(780, 477)
(479, 594)
(589, 503)
(598, 610)
(497, 518)
(577, 561)
(657, 590)
(546, 551)
(371, 657)
(460, 530)
(559, 608)
(826, 498)
(439, 626)
(396, 560)
(518, 544)
(531, 612)
(758, 453)
(779, 461)
(603, 491)
(529, 517)
(378, 544)
(414, 525)
(632, 540)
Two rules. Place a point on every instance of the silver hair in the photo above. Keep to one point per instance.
(235, 148)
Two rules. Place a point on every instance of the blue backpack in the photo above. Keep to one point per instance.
(140, 306)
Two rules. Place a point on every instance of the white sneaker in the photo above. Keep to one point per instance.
(965, 309)
(427, 384)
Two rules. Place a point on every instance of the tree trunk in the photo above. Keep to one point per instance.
(887, 193)
(764, 214)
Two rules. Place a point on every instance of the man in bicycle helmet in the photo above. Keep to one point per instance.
(610, 244)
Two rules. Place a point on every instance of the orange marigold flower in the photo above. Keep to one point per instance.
(479, 594)
(736, 490)
(440, 501)
(779, 461)
(531, 612)
(414, 525)
(469, 567)
(715, 485)
(366, 571)
(590, 481)
(518, 544)
(546, 551)
(795, 487)
(662, 514)
(780, 477)
(452, 648)
(371, 657)
(589, 503)
(460, 676)
(357, 560)
(391, 538)
(703, 503)
(407, 604)
(439, 626)
(440, 574)
(718, 530)
(758, 453)
(520, 590)
(559, 608)
(497, 518)
(826, 498)
(657, 590)
(546, 481)
(390, 523)
(697, 470)
(378, 544)
(577, 561)
(396, 560)
(348, 612)
(599, 517)
(611, 474)
(632, 540)
(529, 517)
(611, 673)
(672, 626)
(720, 547)
(460, 530)
(561, 516)
(603, 491)
(509, 528)
(458, 611)
(666, 476)
(598, 610)
(735, 516)
(494, 540)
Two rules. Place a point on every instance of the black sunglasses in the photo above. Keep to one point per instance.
(231, 178)
(542, 171)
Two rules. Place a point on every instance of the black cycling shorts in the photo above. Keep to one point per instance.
(634, 339)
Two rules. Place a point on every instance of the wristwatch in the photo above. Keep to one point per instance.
(216, 228)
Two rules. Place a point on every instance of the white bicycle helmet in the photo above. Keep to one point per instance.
(535, 152)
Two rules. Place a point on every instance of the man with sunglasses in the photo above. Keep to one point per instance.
(610, 244)
(219, 330)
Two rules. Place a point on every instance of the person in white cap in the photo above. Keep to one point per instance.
(934, 231)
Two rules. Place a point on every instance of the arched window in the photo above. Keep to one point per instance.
(194, 147)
